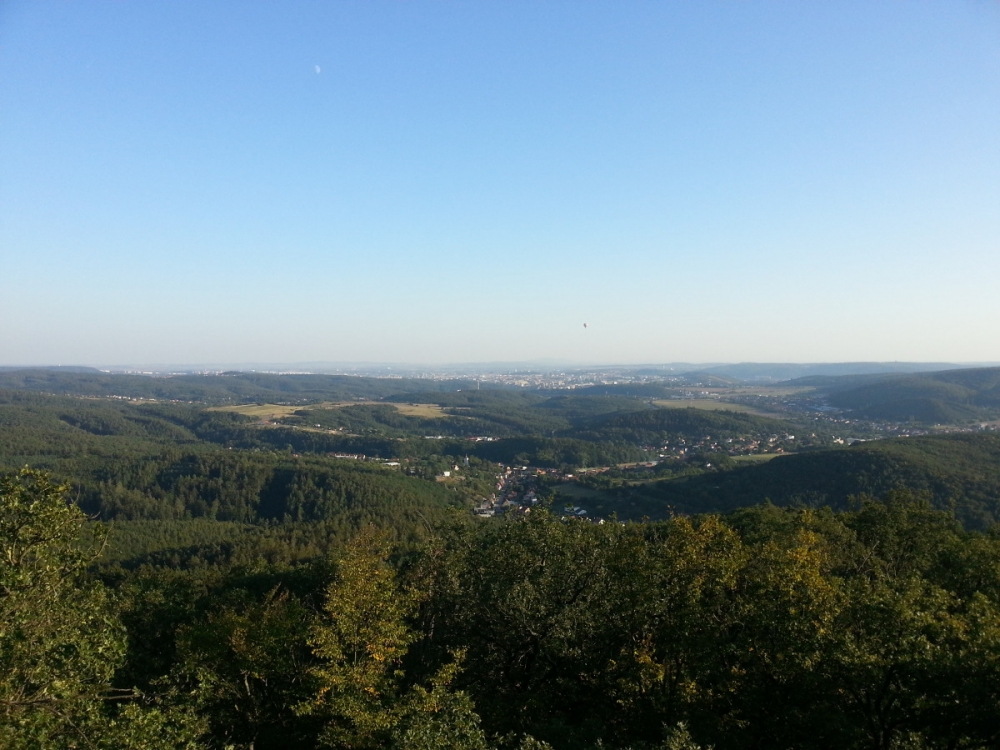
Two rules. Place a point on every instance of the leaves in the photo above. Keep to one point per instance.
(360, 641)
(60, 639)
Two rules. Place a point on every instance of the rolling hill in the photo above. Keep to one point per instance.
(959, 472)
(652, 425)
(947, 397)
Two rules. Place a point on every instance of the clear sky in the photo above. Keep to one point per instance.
(185, 182)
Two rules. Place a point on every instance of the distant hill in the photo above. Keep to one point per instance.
(51, 368)
(232, 387)
(959, 471)
(951, 396)
(709, 379)
(761, 372)
(653, 425)
(629, 390)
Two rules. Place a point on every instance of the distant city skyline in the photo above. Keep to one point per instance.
(593, 183)
(474, 369)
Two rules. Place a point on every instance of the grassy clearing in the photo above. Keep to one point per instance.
(277, 411)
(576, 491)
(710, 404)
(263, 411)
(757, 458)
(793, 390)
(424, 411)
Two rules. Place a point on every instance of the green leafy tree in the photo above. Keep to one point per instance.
(245, 666)
(361, 642)
(60, 641)
(439, 718)
(537, 604)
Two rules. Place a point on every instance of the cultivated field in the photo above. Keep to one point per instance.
(425, 411)
(711, 404)
(277, 411)
(757, 458)
(262, 411)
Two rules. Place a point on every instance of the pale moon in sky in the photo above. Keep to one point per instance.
(317, 69)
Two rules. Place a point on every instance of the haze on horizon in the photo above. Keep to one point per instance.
(473, 182)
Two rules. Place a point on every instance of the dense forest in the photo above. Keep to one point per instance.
(959, 472)
(943, 397)
(874, 628)
(653, 426)
(222, 566)
(238, 387)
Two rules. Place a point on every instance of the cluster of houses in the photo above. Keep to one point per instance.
(738, 446)
(515, 493)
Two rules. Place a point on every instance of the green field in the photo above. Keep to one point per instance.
(577, 492)
(710, 404)
(263, 411)
(426, 411)
(757, 458)
(277, 411)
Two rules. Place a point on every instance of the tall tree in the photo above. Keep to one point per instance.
(361, 643)
(60, 641)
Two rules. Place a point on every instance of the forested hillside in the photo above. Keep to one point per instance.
(652, 426)
(767, 627)
(957, 472)
(238, 387)
(948, 397)
(171, 464)
(287, 563)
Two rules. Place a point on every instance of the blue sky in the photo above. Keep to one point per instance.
(433, 182)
